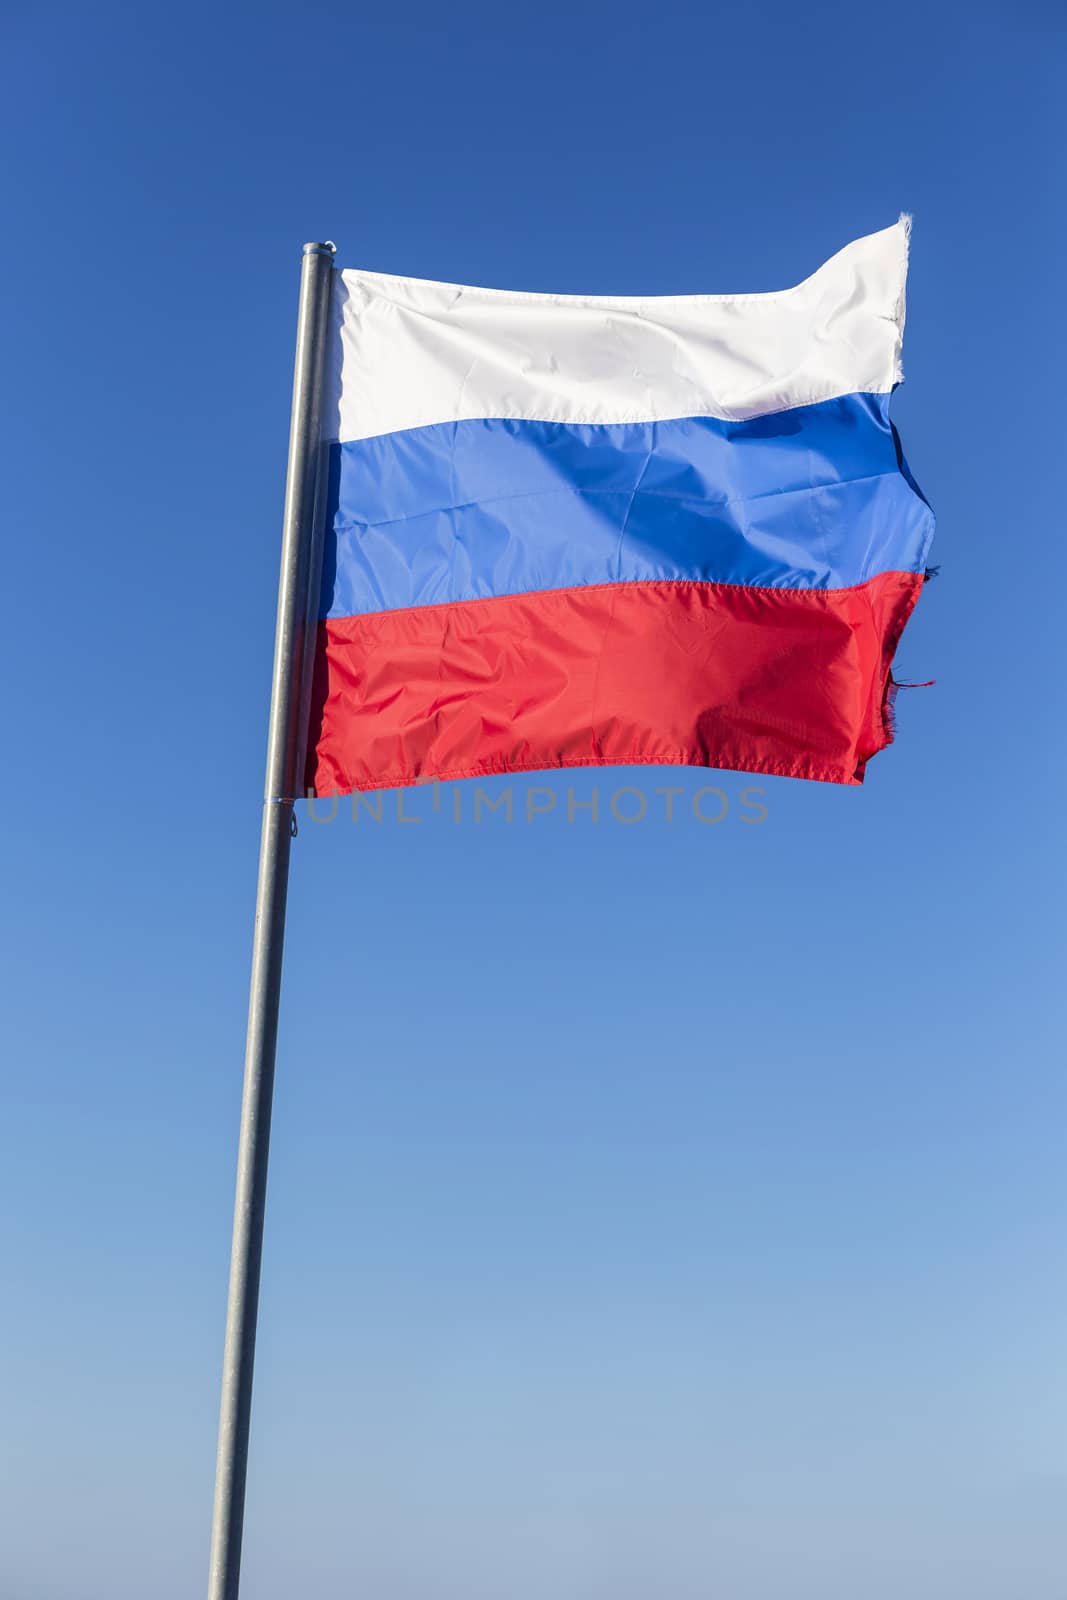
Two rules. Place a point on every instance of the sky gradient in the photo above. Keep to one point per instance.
(665, 1209)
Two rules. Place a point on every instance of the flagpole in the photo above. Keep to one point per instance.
(297, 608)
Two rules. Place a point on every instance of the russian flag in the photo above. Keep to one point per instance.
(570, 530)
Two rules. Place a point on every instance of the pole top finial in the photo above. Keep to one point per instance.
(325, 247)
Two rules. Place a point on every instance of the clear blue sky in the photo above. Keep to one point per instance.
(667, 1211)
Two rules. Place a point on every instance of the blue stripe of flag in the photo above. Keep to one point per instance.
(811, 498)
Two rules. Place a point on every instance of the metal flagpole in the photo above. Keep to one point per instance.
(297, 605)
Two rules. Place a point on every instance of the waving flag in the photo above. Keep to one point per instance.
(568, 530)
